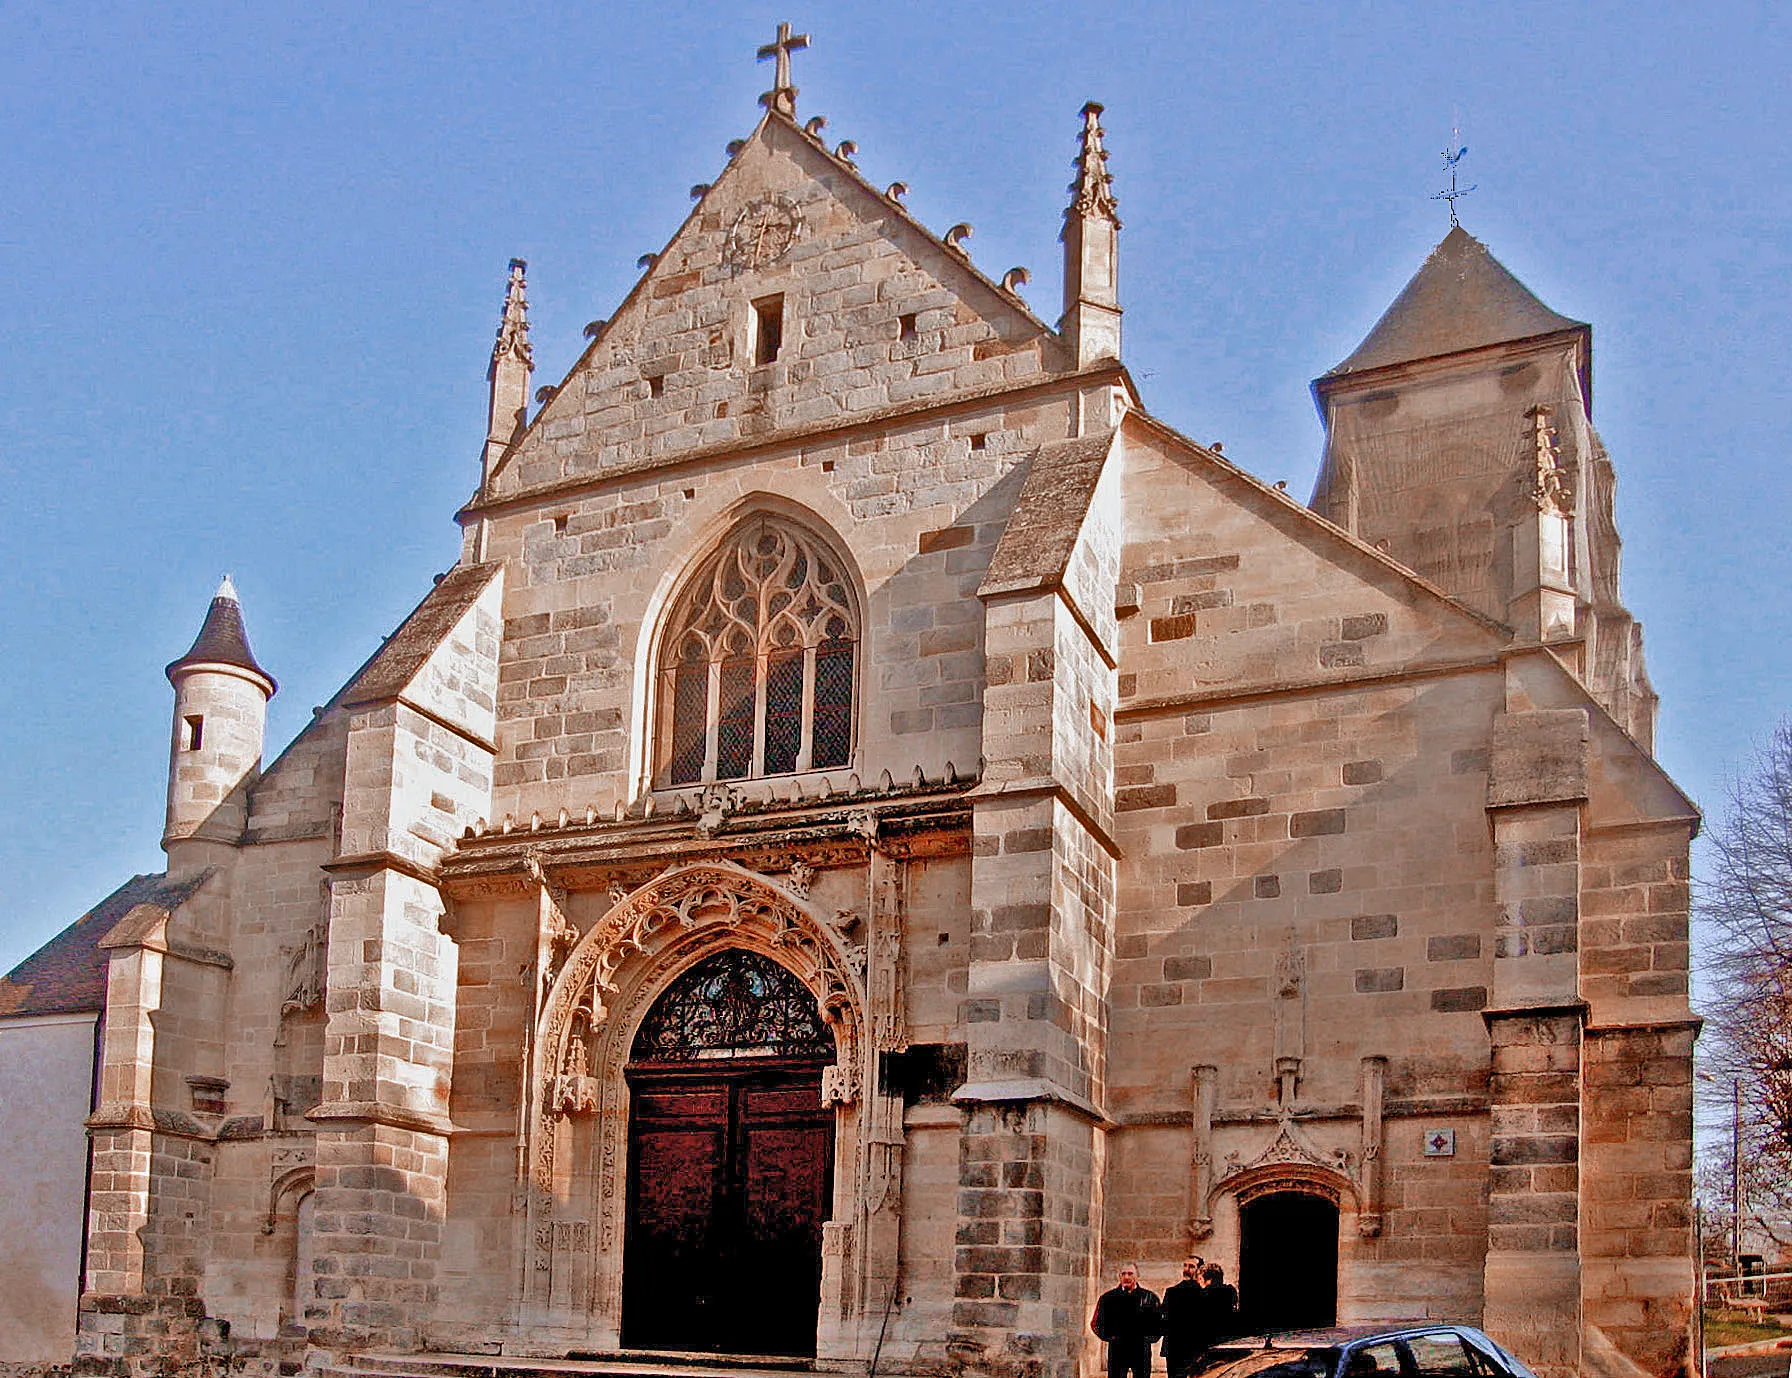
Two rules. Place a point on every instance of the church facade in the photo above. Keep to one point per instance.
(877, 830)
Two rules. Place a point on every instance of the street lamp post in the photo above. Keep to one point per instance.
(1736, 1175)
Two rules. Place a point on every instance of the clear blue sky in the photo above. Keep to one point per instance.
(252, 258)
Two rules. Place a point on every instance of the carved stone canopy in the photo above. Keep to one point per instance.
(1291, 1161)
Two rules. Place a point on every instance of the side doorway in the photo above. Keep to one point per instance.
(1287, 1262)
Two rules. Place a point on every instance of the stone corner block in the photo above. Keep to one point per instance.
(1538, 756)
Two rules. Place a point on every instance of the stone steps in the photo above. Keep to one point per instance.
(627, 1364)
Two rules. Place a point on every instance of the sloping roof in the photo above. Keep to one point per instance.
(1461, 298)
(396, 663)
(222, 639)
(1037, 543)
(67, 975)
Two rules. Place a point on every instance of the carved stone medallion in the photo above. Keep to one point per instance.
(762, 233)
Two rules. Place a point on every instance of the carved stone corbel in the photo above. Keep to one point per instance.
(839, 1084)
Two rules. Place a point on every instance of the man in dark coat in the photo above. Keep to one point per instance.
(1185, 1319)
(1128, 1318)
(1219, 1305)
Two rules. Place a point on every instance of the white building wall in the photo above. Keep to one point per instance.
(46, 1081)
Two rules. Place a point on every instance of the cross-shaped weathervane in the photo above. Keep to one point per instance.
(783, 94)
(1454, 194)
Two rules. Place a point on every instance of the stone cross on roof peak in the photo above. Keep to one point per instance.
(782, 96)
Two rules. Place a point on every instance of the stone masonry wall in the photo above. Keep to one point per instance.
(1636, 1182)
(874, 313)
(497, 941)
(918, 509)
(1026, 1180)
(1534, 1189)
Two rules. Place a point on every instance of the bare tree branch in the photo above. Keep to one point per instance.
(1746, 908)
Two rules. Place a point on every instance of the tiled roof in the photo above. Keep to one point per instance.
(67, 975)
(222, 640)
(1461, 298)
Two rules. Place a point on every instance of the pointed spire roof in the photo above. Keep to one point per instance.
(1092, 189)
(513, 325)
(1461, 298)
(222, 639)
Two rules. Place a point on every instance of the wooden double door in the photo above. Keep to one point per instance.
(730, 1178)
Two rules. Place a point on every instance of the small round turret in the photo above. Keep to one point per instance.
(220, 710)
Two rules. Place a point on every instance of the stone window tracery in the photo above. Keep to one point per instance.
(759, 662)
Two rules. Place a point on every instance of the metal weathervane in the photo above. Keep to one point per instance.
(1455, 193)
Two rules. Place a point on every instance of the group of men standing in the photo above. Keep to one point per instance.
(1194, 1315)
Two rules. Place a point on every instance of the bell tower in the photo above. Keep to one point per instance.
(1459, 439)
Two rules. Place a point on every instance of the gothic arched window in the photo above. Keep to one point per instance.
(757, 668)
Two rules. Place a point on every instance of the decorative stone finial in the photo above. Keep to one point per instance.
(226, 589)
(1092, 193)
(1091, 321)
(513, 326)
(782, 96)
(1550, 490)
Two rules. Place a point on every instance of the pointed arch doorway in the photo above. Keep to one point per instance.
(730, 1162)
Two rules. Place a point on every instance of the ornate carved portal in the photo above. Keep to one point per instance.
(603, 1006)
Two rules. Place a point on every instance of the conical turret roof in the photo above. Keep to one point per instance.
(222, 639)
(1461, 298)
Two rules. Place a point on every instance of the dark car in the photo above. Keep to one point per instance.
(1416, 1350)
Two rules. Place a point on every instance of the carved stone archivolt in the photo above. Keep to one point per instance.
(688, 911)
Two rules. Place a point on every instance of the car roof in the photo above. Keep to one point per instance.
(1339, 1335)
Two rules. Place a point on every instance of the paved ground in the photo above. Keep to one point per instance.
(1753, 1366)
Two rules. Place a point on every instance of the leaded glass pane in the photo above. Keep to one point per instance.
(734, 1004)
(783, 712)
(734, 729)
(690, 719)
(833, 705)
(768, 598)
